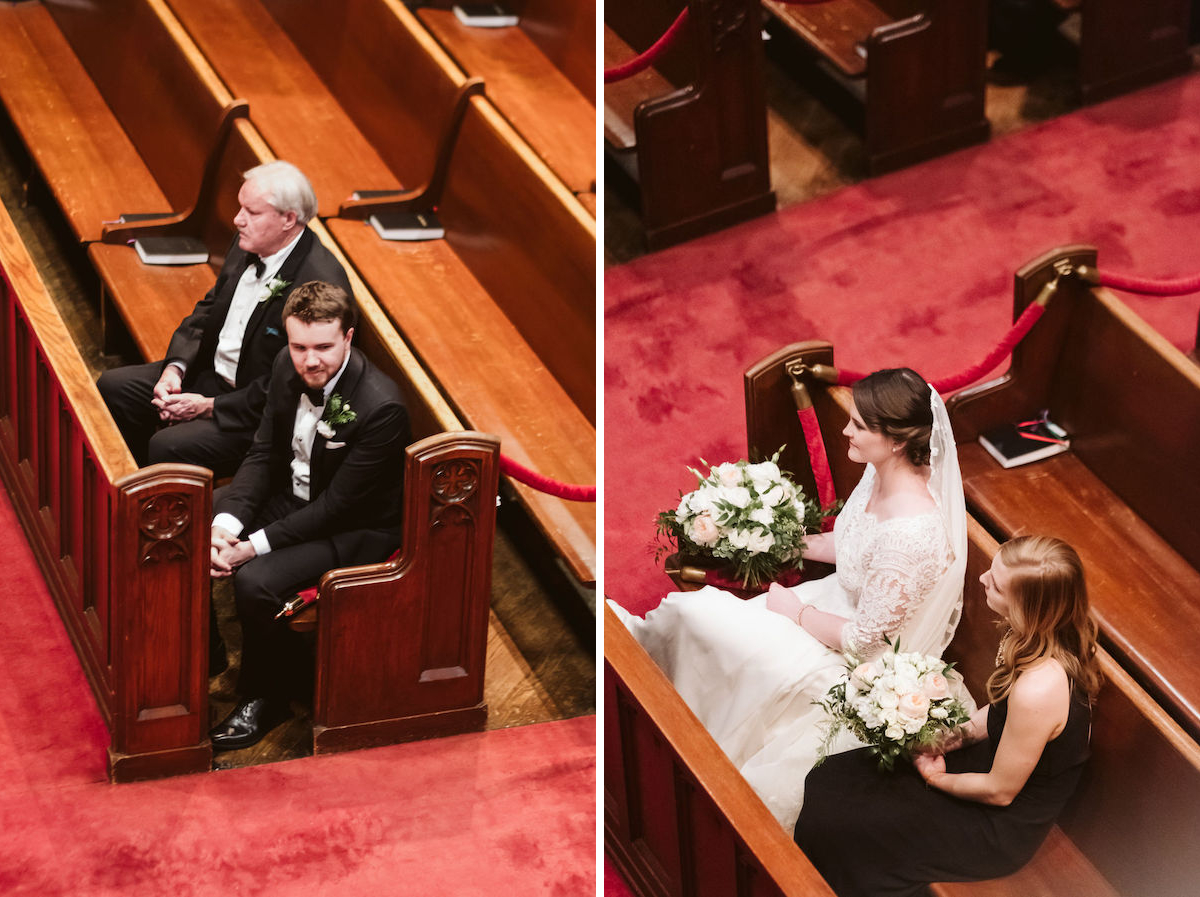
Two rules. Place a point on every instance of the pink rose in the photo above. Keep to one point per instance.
(864, 674)
(936, 687)
(704, 531)
(914, 705)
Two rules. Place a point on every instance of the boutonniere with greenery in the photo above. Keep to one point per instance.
(337, 413)
(273, 289)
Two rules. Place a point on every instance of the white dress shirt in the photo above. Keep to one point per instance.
(250, 290)
(304, 434)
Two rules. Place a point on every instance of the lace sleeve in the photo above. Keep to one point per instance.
(901, 567)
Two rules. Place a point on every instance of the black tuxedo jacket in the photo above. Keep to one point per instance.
(195, 339)
(356, 477)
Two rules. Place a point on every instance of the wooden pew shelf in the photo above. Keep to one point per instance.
(88, 161)
(529, 90)
(493, 378)
(1136, 577)
(151, 300)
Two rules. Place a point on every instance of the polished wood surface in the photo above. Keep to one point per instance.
(401, 645)
(839, 29)
(538, 667)
(1124, 46)
(496, 382)
(1144, 769)
(123, 555)
(1125, 494)
(565, 31)
(519, 253)
(678, 819)
(621, 98)
(299, 117)
(529, 90)
(701, 150)
(923, 62)
(79, 146)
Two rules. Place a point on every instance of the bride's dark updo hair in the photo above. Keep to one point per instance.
(895, 402)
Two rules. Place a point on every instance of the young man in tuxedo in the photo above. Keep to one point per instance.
(210, 387)
(320, 488)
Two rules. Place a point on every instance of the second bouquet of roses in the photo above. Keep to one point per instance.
(751, 515)
(896, 704)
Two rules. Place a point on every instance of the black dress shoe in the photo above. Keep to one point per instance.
(218, 658)
(250, 720)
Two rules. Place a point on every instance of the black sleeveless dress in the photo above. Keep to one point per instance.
(878, 834)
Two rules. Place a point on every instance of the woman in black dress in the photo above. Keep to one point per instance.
(982, 808)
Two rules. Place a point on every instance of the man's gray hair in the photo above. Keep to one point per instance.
(286, 188)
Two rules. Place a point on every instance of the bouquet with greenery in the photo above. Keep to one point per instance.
(895, 704)
(751, 515)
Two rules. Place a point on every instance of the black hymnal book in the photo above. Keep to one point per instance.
(1016, 444)
(128, 217)
(171, 250)
(374, 194)
(484, 15)
(407, 225)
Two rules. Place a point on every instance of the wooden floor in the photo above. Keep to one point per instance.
(813, 152)
(541, 647)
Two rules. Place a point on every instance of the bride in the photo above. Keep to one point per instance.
(751, 674)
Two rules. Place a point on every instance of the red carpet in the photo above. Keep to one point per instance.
(505, 812)
(914, 268)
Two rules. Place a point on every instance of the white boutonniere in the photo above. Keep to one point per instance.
(273, 288)
(337, 413)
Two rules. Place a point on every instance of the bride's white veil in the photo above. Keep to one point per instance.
(930, 629)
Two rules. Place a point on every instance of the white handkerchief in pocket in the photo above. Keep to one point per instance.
(334, 445)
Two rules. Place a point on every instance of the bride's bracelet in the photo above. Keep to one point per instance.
(800, 616)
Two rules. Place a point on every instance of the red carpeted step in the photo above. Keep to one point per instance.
(914, 268)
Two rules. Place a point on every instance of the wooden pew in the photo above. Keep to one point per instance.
(502, 311)
(124, 551)
(691, 134)
(103, 142)
(540, 74)
(1144, 769)
(1125, 494)
(450, 517)
(913, 69)
(1124, 46)
(1131, 826)
(678, 819)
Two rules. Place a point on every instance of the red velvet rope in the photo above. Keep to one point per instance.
(948, 384)
(1147, 287)
(817, 457)
(644, 60)
(569, 491)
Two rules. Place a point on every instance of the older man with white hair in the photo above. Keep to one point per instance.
(202, 402)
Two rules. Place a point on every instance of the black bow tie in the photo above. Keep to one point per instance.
(259, 265)
(316, 396)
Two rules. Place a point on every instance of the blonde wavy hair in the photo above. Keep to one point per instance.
(1048, 613)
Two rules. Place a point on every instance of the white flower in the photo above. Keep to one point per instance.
(325, 429)
(738, 496)
(763, 516)
(894, 733)
(938, 712)
(760, 543)
(728, 474)
(773, 496)
(763, 475)
(739, 538)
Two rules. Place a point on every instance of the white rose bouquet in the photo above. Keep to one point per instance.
(751, 515)
(895, 704)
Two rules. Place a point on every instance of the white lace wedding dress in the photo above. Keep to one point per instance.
(751, 675)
